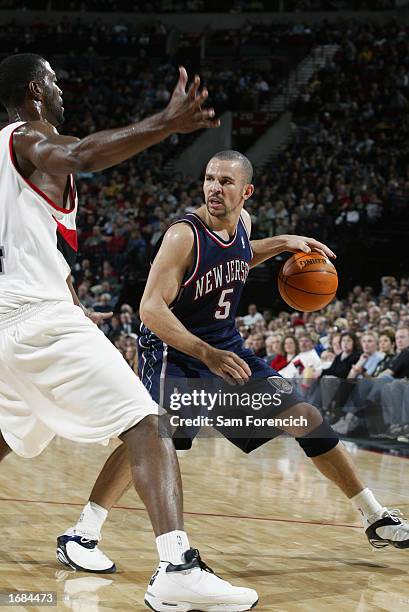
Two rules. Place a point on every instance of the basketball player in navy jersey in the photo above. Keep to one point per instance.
(188, 311)
(58, 373)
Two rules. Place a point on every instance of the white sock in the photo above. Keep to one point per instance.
(90, 522)
(172, 545)
(367, 505)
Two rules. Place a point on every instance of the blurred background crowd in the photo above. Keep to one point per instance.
(197, 6)
(351, 359)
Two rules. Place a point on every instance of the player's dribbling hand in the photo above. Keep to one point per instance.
(228, 366)
(305, 244)
(184, 112)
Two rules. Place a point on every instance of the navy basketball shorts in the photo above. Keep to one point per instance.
(247, 415)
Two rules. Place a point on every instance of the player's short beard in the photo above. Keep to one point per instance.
(54, 111)
(226, 212)
(59, 116)
(219, 214)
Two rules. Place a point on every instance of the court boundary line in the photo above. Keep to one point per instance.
(205, 514)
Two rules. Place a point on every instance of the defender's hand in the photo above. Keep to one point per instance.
(184, 112)
(228, 366)
(99, 317)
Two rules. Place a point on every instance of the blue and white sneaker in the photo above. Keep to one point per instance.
(83, 555)
(192, 585)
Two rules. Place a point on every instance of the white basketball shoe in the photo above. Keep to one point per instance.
(194, 586)
(82, 554)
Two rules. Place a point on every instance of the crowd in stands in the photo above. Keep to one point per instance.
(338, 5)
(198, 6)
(142, 67)
(348, 167)
(351, 359)
(73, 35)
(146, 6)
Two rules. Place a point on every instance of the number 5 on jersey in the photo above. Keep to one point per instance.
(1, 260)
(224, 305)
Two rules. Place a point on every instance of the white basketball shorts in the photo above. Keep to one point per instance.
(59, 375)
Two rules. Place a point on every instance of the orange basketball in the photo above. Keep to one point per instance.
(307, 281)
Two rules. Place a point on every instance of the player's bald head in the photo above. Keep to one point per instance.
(238, 158)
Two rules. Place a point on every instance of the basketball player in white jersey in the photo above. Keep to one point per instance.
(59, 374)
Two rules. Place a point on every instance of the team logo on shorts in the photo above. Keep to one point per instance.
(282, 385)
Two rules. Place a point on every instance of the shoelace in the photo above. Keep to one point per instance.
(396, 513)
(88, 543)
(202, 564)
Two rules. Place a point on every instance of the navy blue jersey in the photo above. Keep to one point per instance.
(211, 290)
(207, 305)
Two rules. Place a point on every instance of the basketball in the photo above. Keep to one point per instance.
(307, 281)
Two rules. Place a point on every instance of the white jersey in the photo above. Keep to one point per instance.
(38, 238)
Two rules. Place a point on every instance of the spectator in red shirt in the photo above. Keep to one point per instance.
(117, 242)
(289, 349)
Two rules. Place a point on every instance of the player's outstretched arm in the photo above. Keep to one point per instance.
(170, 265)
(270, 247)
(40, 144)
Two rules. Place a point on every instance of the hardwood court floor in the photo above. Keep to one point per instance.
(269, 521)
